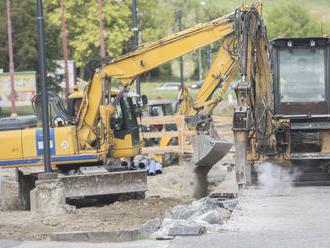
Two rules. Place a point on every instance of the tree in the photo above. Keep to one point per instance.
(291, 20)
(25, 38)
(83, 27)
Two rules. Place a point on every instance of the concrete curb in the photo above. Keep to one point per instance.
(96, 236)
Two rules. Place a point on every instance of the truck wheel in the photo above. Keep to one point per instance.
(25, 184)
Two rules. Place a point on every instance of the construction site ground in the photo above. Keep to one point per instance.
(165, 191)
(174, 186)
(266, 217)
(274, 214)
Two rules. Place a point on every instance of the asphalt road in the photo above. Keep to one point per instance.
(288, 217)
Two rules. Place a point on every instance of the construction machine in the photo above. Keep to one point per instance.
(83, 147)
(92, 162)
(282, 98)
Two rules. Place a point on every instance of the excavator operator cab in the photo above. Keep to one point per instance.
(300, 69)
(124, 121)
(301, 97)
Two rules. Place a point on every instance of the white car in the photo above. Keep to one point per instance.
(169, 86)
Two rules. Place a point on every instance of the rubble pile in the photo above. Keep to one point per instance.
(196, 218)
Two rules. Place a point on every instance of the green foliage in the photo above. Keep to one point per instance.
(83, 27)
(25, 38)
(291, 20)
(157, 20)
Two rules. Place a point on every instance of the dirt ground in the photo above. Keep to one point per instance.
(169, 189)
(174, 186)
(23, 225)
(165, 191)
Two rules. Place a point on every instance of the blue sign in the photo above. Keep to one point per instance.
(40, 142)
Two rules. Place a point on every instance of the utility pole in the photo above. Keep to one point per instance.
(136, 39)
(200, 68)
(101, 24)
(199, 51)
(11, 62)
(179, 19)
(42, 81)
(208, 57)
(65, 51)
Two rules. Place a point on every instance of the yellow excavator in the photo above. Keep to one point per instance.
(105, 128)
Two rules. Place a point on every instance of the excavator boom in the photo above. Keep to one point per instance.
(145, 58)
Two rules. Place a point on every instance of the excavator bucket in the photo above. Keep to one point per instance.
(208, 150)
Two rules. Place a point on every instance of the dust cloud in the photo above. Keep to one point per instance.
(275, 178)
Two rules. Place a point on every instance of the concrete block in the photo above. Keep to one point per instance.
(47, 176)
(182, 230)
(95, 236)
(48, 197)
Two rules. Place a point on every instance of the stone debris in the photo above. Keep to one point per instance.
(196, 218)
(229, 204)
(151, 226)
(196, 208)
(212, 217)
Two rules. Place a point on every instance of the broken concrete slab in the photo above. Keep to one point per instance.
(96, 236)
(211, 217)
(186, 230)
(206, 214)
(198, 207)
(169, 223)
(150, 227)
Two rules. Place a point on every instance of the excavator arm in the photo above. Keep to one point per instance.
(150, 55)
(222, 72)
(146, 57)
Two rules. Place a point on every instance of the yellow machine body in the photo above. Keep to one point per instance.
(25, 147)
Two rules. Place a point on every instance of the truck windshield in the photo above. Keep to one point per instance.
(302, 74)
